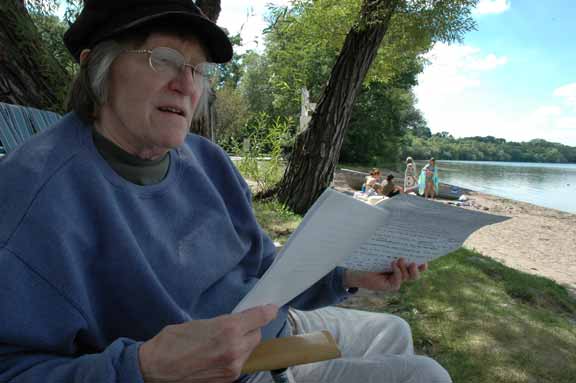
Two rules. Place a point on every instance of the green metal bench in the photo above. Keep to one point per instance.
(18, 123)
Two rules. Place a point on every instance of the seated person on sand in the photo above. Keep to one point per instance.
(410, 176)
(372, 184)
(389, 188)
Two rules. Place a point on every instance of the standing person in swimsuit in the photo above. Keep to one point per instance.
(428, 181)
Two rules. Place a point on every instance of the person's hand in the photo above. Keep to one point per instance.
(390, 281)
(212, 350)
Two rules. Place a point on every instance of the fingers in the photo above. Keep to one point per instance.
(400, 272)
(249, 320)
(410, 272)
(209, 350)
(395, 280)
(241, 334)
(413, 272)
(257, 317)
(401, 263)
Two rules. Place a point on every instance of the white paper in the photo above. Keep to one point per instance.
(418, 230)
(323, 240)
(341, 231)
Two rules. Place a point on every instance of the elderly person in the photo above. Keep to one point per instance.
(125, 242)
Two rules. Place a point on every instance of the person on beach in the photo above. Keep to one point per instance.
(372, 184)
(410, 176)
(389, 188)
(125, 242)
(428, 181)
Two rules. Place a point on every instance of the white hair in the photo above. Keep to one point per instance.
(98, 69)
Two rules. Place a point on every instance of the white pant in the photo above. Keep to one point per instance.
(376, 348)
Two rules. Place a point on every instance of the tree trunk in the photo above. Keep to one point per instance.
(204, 124)
(317, 149)
(29, 75)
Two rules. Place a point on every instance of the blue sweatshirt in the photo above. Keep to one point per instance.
(92, 265)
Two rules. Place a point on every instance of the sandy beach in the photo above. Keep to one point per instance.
(535, 240)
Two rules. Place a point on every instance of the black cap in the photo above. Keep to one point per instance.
(103, 19)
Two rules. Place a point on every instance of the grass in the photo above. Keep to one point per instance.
(483, 321)
(278, 221)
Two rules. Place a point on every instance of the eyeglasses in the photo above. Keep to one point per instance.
(171, 63)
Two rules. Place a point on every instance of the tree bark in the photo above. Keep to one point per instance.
(317, 149)
(205, 123)
(29, 75)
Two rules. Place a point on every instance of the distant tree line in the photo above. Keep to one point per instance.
(445, 147)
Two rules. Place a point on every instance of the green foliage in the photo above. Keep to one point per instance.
(256, 83)
(304, 41)
(302, 46)
(375, 127)
(262, 157)
(381, 116)
(232, 113)
(445, 147)
(276, 219)
(51, 30)
(53, 62)
(229, 74)
(50, 8)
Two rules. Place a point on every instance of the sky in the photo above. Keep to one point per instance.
(513, 78)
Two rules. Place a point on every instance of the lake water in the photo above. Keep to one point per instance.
(548, 185)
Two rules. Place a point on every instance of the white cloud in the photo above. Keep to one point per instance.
(550, 117)
(452, 69)
(551, 123)
(568, 93)
(567, 123)
(485, 7)
(489, 62)
(546, 112)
